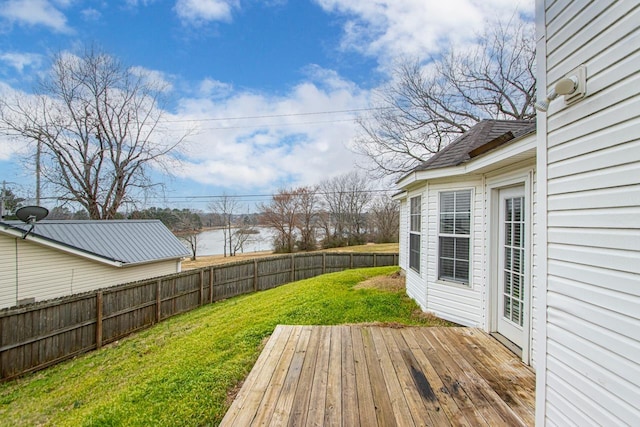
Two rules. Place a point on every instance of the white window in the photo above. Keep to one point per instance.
(454, 236)
(415, 218)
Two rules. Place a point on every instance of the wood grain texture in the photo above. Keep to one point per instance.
(360, 375)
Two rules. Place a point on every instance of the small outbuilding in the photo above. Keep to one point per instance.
(466, 231)
(57, 258)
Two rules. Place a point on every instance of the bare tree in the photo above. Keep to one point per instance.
(345, 199)
(226, 207)
(426, 107)
(307, 217)
(187, 227)
(95, 125)
(281, 215)
(385, 219)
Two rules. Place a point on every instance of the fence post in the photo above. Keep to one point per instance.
(375, 260)
(98, 320)
(158, 301)
(255, 275)
(211, 272)
(324, 262)
(201, 275)
(293, 268)
(351, 260)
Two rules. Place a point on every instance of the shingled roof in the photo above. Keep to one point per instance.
(122, 241)
(485, 136)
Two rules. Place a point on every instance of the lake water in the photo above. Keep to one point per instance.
(211, 242)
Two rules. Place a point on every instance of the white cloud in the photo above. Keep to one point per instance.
(35, 13)
(20, 60)
(198, 12)
(214, 89)
(155, 78)
(388, 28)
(91, 14)
(265, 142)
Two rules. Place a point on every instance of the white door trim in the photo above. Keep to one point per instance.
(493, 188)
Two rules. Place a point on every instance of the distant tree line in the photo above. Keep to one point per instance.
(341, 211)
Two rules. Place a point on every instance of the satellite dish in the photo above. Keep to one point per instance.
(31, 214)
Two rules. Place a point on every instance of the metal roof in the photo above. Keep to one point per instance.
(125, 241)
(483, 133)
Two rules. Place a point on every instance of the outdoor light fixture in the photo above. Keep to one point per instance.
(572, 86)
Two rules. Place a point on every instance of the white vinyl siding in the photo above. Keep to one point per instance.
(460, 303)
(592, 198)
(44, 273)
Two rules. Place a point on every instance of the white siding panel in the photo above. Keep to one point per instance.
(625, 196)
(612, 135)
(601, 238)
(598, 36)
(602, 178)
(454, 302)
(592, 383)
(614, 281)
(591, 371)
(7, 273)
(625, 217)
(623, 154)
(579, 410)
(416, 288)
(624, 110)
(44, 273)
(605, 258)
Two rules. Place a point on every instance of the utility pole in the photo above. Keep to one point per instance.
(4, 185)
(38, 151)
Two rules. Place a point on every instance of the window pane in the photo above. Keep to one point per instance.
(462, 248)
(462, 224)
(446, 223)
(447, 248)
(463, 201)
(462, 271)
(517, 235)
(447, 202)
(446, 268)
(414, 251)
(517, 209)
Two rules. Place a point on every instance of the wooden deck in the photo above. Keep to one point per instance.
(379, 376)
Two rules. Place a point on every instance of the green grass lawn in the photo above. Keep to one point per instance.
(181, 371)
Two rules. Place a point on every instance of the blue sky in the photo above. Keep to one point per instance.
(244, 75)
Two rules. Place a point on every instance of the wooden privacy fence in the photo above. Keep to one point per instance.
(48, 332)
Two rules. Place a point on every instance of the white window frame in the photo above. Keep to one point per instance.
(415, 232)
(456, 237)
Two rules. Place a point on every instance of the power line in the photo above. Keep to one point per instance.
(259, 125)
(268, 116)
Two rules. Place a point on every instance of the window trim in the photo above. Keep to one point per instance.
(414, 261)
(450, 280)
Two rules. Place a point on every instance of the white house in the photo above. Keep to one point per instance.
(58, 258)
(577, 313)
(467, 240)
(588, 251)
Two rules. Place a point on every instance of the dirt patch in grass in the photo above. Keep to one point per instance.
(393, 282)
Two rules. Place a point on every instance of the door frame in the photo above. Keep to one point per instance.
(493, 251)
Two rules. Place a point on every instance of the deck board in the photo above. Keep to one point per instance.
(374, 375)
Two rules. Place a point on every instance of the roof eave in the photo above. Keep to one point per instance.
(480, 164)
(34, 238)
